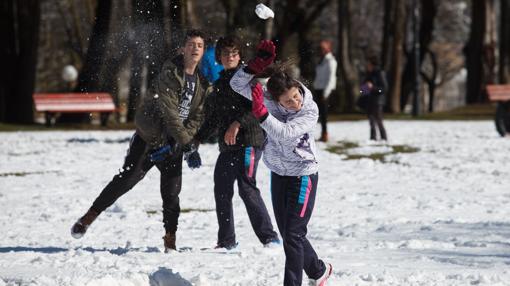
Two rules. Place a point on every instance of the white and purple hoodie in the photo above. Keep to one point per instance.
(290, 148)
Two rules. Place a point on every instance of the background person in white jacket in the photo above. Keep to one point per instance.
(324, 83)
(288, 114)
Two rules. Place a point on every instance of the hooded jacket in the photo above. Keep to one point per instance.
(325, 75)
(225, 106)
(290, 148)
(157, 116)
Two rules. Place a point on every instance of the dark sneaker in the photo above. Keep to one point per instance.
(226, 246)
(80, 227)
(273, 243)
(169, 241)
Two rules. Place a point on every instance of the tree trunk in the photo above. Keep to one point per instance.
(480, 51)
(148, 50)
(297, 19)
(306, 64)
(19, 29)
(177, 23)
(428, 15)
(89, 78)
(348, 72)
(431, 79)
(490, 46)
(504, 44)
(399, 29)
(388, 23)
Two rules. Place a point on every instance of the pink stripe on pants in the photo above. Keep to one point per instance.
(308, 188)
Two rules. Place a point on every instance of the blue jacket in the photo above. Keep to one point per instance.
(209, 67)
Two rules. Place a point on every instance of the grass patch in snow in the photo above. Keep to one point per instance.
(184, 210)
(345, 149)
(23, 174)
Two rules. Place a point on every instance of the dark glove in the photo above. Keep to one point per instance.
(160, 154)
(266, 53)
(191, 155)
(193, 159)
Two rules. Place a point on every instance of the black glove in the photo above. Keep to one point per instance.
(193, 159)
(191, 155)
(160, 154)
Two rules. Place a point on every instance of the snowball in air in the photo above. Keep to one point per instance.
(263, 12)
(69, 73)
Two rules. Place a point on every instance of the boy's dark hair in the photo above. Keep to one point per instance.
(229, 41)
(193, 33)
(280, 80)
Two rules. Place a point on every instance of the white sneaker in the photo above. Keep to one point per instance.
(322, 280)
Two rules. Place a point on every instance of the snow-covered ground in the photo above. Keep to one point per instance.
(440, 216)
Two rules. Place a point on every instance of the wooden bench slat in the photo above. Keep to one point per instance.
(74, 102)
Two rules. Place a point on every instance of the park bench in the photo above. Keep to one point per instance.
(54, 103)
(500, 93)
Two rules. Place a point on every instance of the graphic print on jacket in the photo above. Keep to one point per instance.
(304, 149)
(187, 96)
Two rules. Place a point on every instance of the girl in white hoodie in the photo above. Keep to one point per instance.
(289, 115)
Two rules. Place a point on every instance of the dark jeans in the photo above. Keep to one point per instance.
(240, 165)
(293, 202)
(322, 104)
(136, 165)
(375, 118)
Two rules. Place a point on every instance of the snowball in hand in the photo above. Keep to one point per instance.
(69, 73)
(263, 12)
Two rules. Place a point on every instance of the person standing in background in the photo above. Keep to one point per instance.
(324, 83)
(375, 85)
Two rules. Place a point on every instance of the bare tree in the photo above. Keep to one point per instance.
(388, 24)
(397, 55)
(297, 17)
(89, 78)
(428, 15)
(480, 50)
(148, 48)
(19, 30)
(348, 73)
(504, 43)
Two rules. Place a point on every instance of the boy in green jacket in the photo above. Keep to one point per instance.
(167, 119)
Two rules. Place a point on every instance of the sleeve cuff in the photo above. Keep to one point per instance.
(264, 117)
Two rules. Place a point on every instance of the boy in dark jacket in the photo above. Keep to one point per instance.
(375, 85)
(167, 119)
(240, 141)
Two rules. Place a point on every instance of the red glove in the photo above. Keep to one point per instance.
(258, 108)
(266, 53)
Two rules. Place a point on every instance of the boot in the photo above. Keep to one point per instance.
(324, 137)
(80, 227)
(169, 241)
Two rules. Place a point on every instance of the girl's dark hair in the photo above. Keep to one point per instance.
(230, 41)
(279, 80)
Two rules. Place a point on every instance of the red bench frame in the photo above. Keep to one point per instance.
(54, 103)
(498, 92)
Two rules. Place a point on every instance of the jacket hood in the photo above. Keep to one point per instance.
(305, 93)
